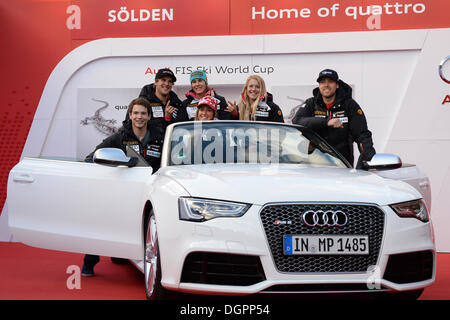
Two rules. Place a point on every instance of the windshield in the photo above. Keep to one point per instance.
(247, 142)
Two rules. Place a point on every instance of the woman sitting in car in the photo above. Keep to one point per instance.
(206, 109)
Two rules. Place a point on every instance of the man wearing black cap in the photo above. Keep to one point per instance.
(334, 115)
(163, 101)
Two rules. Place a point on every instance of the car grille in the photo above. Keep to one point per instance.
(362, 220)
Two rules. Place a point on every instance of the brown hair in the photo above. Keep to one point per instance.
(141, 101)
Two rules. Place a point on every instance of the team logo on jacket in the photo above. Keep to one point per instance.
(191, 111)
(154, 154)
(339, 114)
(135, 147)
(261, 113)
(157, 112)
(154, 151)
(217, 102)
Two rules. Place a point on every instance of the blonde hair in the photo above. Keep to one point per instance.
(247, 111)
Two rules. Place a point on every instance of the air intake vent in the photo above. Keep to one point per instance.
(222, 269)
(326, 287)
(409, 267)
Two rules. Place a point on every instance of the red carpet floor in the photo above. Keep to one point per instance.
(28, 273)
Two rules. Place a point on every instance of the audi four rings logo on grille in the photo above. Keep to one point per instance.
(325, 218)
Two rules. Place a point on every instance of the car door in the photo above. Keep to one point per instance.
(78, 206)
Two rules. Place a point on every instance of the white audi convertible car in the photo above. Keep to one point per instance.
(236, 208)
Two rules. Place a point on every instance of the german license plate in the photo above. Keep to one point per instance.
(325, 245)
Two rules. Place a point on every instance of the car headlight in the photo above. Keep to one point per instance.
(193, 209)
(412, 209)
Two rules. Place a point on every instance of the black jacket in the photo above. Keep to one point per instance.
(267, 110)
(315, 116)
(189, 107)
(150, 150)
(158, 107)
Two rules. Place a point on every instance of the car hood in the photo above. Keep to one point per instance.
(261, 184)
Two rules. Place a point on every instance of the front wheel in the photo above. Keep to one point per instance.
(152, 264)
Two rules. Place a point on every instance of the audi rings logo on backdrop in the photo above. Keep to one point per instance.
(441, 66)
(325, 218)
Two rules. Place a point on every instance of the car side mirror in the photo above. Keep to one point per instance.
(383, 161)
(113, 157)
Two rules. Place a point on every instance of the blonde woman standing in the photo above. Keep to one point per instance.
(255, 103)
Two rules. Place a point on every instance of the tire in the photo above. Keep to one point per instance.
(152, 262)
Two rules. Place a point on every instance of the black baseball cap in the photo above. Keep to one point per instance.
(328, 73)
(165, 72)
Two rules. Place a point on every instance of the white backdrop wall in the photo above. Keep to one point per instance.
(393, 75)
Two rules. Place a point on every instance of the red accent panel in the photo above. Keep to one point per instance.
(156, 18)
(34, 39)
(312, 16)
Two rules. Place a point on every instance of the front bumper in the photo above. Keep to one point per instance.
(246, 236)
